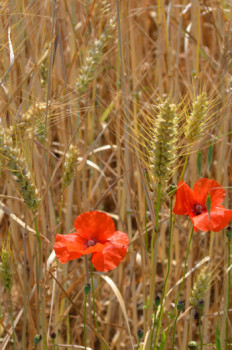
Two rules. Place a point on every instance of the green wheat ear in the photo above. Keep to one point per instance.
(70, 165)
(6, 271)
(163, 153)
(31, 123)
(93, 58)
(196, 120)
(200, 287)
(18, 167)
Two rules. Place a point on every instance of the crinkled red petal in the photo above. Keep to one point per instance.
(113, 253)
(94, 225)
(61, 250)
(219, 218)
(203, 187)
(184, 199)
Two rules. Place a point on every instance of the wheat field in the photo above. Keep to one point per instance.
(109, 106)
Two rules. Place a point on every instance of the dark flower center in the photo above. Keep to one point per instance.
(198, 209)
(90, 243)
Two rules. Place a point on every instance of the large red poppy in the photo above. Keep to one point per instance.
(193, 203)
(95, 234)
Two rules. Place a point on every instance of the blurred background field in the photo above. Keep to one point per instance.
(92, 75)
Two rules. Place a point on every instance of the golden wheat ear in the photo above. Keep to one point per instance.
(200, 287)
(196, 120)
(163, 152)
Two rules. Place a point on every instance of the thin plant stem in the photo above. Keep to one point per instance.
(85, 338)
(167, 275)
(39, 286)
(185, 165)
(138, 345)
(228, 293)
(53, 344)
(93, 296)
(12, 322)
(153, 328)
(182, 285)
(61, 207)
(38, 272)
(94, 310)
(154, 242)
(185, 265)
(200, 332)
(146, 237)
(174, 330)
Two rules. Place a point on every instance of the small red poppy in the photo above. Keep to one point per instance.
(95, 234)
(193, 203)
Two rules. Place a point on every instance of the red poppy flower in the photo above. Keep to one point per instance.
(193, 203)
(95, 234)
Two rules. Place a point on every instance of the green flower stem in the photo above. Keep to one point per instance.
(200, 332)
(53, 344)
(154, 249)
(185, 165)
(153, 329)
(38, 274)
(138, 345)
(167, 275)
(174, 330)
(39, 287)
(146, 237)
(185, 265)
(85, 338)
(93, 296)
(182, 285)
(61, 208)
(228, 293)
(12, 322)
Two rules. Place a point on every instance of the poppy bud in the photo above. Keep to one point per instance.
(180, 305)
(192, 345)
(53, 335)
(87, 288)
(37, 339)
(140, 334)
(229, 232)
(201, 304)
(172, 189)
(157, 301)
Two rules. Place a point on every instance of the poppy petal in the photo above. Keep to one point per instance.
(61, 250)
(184, 199)
(203, 187)
(219, 218)
(94, 224)
(113, 253)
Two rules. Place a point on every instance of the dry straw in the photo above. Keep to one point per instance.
(163, 152)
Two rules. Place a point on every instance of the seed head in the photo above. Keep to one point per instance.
(200, 287)
(192, 345)
(70, 165)
(18, 167)
(6, 273)
(163, 152)
(93, 58)
(196, 120)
